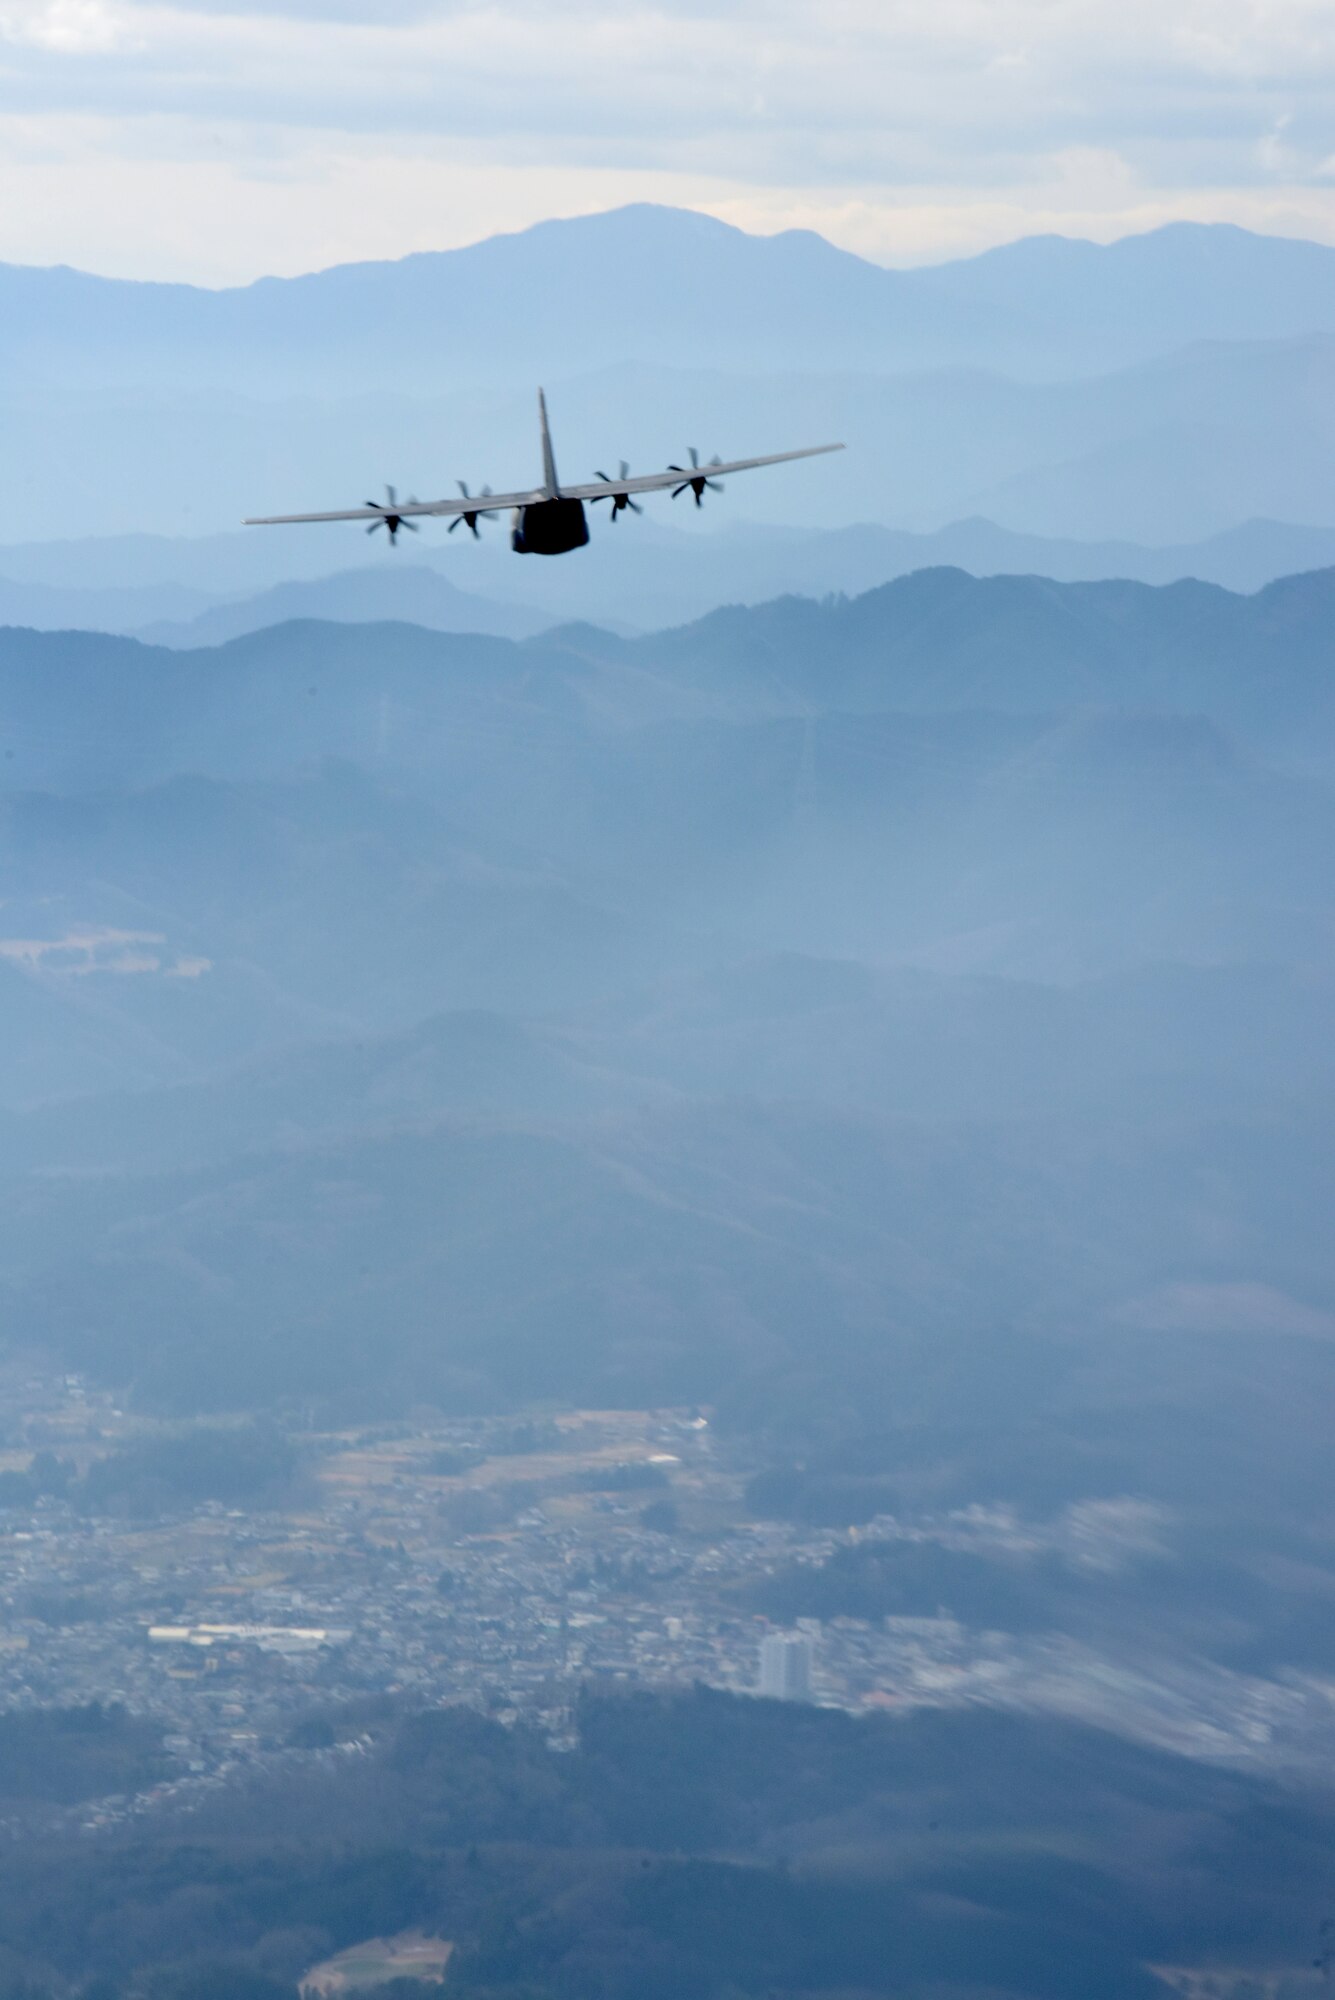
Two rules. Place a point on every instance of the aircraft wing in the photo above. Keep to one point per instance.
(679, 475)
(597, 489)
(405, 510)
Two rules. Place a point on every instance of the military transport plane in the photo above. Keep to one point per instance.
(548, 520)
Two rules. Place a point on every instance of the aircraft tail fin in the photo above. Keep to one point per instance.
(549, 478)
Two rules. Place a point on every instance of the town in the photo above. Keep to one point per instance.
(507, 1562)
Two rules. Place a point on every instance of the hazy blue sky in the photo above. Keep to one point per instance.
(209, 141)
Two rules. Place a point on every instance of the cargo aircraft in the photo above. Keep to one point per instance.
(548, 520)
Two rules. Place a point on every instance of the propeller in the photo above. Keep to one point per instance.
(390, 516)
(697, 478)
(472, 515)
(620, 501)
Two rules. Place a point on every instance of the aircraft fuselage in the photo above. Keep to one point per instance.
(548, 528)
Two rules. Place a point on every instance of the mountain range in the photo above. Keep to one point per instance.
(653, 578)
(656, 285)
(595, 1015)
(1162, 390)
(90, 711)
(627, 979)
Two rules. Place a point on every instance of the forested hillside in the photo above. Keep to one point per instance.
(693, 1848)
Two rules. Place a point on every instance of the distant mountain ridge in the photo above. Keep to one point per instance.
(940, 640)
(83, 709)
(650, 580)
(682, 283)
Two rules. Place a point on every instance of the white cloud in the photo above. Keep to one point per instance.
(66, 27)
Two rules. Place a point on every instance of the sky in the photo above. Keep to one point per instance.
(212, 142)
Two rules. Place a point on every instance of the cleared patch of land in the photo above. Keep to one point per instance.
(363, 1967)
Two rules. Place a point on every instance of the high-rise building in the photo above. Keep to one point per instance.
(785, 1666)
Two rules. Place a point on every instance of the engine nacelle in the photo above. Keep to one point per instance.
(548, 528)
